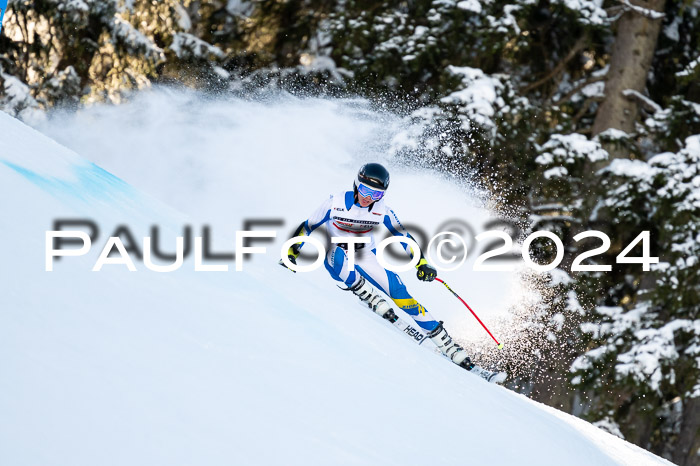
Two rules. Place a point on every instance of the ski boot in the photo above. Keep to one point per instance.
(448, 347)
(367, 293)
(458, 355)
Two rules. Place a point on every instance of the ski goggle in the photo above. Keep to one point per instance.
(366, 191)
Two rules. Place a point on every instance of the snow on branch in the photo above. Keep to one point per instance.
(652, 350)
(648, 104)
(651, 14)
(589, 11)
(76, 11)
(470, 5)
(609, 425)
(567, 149)
(136, 40)
(17, 100)
(690, 69)
(188, 46)
(478, 98)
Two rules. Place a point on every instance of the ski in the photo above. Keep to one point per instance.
(416, 335)
(419, 337)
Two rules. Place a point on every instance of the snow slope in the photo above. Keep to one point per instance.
(255, 367)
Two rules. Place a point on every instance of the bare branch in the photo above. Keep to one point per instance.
(584, 109)
(578, 46)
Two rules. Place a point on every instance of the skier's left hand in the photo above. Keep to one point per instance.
(292, 259)
(292, 255)
(426, 272)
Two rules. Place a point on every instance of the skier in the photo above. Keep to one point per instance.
(357, 213)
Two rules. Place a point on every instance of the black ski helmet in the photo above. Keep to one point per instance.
(373, 175)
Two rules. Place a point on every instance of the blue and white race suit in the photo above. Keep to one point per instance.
(343, 217)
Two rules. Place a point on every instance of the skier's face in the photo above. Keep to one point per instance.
(367, 195)
(364, 201)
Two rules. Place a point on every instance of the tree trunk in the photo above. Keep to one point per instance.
(630, 60)
(688, 443)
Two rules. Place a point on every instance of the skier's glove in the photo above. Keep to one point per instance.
(426, 272)
(292, 255)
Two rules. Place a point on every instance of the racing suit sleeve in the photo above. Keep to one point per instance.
(392, 223)
(318, 218)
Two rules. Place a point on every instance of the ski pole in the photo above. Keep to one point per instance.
(500, 345)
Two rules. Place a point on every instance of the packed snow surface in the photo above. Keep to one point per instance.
(261, 366)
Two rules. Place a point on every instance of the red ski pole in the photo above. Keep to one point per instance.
(500, 345)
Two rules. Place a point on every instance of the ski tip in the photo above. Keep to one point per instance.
(500, 346)
(499, 378)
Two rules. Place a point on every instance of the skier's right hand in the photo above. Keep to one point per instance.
(426, 272)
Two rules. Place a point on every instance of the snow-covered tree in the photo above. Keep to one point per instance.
(67, 51)
(645, 350)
